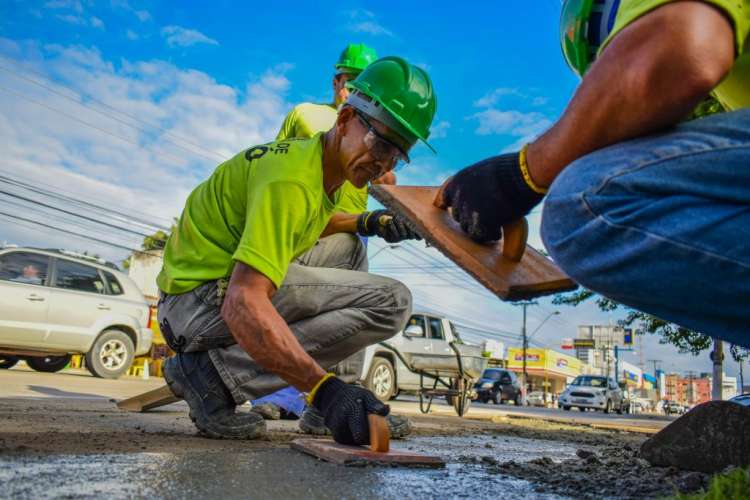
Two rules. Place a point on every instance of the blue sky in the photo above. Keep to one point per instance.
(133, 103)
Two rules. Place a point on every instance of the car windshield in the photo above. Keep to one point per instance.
(590, 381)
(492, 374)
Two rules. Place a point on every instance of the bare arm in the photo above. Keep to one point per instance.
(650, 76)
(340, 223)
(262, 332)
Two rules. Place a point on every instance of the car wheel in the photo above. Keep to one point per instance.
(7, 362)
(382, 379)
(111, 355)
(566, 408)
(49, 364)
(608, 406)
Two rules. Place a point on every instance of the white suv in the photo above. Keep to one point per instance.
(54, 304)
(593, 392)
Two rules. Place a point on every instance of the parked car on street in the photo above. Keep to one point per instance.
(498, 385)
(673, 408)
(54, 304)
(742, 399)
(593, 392)
(382, 371)
(539, 398)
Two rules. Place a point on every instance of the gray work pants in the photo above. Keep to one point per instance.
(332, 307)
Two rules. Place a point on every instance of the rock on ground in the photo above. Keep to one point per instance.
(709, 438)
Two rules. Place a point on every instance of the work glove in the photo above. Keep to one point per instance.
(489, 194)
(345, 408)
(385, 224)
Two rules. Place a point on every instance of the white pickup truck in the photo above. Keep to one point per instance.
(381, 370)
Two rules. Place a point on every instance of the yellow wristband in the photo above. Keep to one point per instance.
(311, 394)
(525, 172)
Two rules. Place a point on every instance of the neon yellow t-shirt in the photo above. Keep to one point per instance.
(307, 119)
(264, 207)
(734, 91)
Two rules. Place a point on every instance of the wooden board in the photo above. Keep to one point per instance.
(533, 276)
(342, 454)
(148, 400)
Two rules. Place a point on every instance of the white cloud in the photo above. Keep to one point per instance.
(97, 23)
(65, 4)
(513, 122)
(365, 21)
(142, 15)
(72, 19)
(491, 98)
(132, 35)
(177, 36)
(440, 130)
(187, 124)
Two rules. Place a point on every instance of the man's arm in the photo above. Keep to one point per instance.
(651, 75)
(340, 223)
(262, 332)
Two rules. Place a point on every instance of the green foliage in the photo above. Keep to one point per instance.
(733, 485)
(684, 339)
(156, 241)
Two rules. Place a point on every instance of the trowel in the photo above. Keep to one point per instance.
(378, 453)
(509, 268)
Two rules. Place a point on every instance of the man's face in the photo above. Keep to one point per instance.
(30, 271)
(369, 148)
(340, 92)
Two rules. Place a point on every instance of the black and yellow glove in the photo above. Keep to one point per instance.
(385, 224)
(345, 408)
(491, 193)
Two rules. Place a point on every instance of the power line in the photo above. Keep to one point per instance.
(68, 212)
(25, 184)
(216, 155)
(72, 233)
(87, 124)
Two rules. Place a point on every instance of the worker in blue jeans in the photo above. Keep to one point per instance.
(641, 206)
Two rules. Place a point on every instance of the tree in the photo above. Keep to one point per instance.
(685, 339)
(156, 241)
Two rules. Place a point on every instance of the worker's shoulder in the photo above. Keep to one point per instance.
(294, 159)
(306, 108)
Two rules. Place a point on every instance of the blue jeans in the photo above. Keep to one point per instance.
(662, 224)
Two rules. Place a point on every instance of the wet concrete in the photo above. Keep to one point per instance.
(278, 472)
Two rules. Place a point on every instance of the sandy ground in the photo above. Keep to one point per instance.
(69, 418)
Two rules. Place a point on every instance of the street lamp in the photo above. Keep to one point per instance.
(526, 346)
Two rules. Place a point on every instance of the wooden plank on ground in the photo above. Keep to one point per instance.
(533, 276)
(342, 454)
(149, 400)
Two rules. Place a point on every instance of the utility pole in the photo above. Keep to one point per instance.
(717, 356)
(525, 346)
(742, 378)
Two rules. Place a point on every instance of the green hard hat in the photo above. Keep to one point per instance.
(584, 26)
(355, 58)
(398, 94)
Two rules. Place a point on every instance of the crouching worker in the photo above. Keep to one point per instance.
(244, 318)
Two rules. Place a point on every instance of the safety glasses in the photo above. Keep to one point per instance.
(381, 148)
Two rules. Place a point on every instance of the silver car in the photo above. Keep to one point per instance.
(54, 304)
(593, 392)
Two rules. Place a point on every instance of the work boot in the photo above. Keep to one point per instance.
(313, 422)
(268, 411)
(193, 377)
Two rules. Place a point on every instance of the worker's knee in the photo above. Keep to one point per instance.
(395, 311)
(568, 225)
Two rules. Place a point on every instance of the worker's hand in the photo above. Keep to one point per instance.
(345, 408)
(487, 195)
(388, 226)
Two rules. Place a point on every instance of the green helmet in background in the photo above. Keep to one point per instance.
(398, 94)
(584, 26)
(355, 58)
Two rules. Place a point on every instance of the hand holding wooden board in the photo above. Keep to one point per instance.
(509, 268)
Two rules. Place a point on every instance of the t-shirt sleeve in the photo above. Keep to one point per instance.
(288, 127)
(738, 11)
(276, 220)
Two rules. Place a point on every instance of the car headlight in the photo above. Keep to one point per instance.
(487, 385)
(601, 392)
